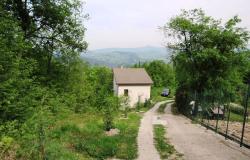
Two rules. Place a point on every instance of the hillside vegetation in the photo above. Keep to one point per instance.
(52, 104)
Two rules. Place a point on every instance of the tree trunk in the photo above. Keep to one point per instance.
(196, 105)
(49, 58)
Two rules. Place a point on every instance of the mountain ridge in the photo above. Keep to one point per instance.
(113, 57)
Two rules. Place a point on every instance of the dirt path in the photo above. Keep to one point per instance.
(196, 142)
(146, 148)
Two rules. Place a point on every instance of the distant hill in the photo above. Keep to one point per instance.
(113, 57)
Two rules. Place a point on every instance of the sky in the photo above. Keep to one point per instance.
(134, 23)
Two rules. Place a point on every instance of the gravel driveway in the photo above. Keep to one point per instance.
(198, 143)
(146, 148)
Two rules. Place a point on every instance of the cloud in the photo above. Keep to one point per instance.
(134, 23)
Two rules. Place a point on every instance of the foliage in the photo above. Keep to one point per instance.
(161, 73)
(147, 103)
(237, 109)
(42, 78)
(206, 56)
(124, 102)
(182, 100)
(139, 105)
(6, 143)
(110, 107)
(156, 94)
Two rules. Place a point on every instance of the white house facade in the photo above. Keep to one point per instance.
(132, 82)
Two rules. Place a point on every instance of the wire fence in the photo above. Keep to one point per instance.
(230, 120)
(232, 124)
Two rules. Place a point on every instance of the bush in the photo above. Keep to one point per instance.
(110, 108)
(139, 106)
(7, 148)
(147, 103)
(237, 109)
(5, 144)
(108, 120)
(182, 100)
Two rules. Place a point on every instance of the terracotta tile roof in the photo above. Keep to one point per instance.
(131, 76)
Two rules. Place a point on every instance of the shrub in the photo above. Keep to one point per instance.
(139, 105)
(147, 103)
(110, 108)
(124, 102)
(237, 109)
(182, 100)
(5, 143)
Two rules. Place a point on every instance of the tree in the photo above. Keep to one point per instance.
(206, 54)
(161, 73)
(124, 101)
(15, 72)
(54, 27)
(109, 108)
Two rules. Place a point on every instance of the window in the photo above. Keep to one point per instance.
(125, 92)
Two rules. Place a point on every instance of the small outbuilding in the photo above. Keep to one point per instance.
(132, 82)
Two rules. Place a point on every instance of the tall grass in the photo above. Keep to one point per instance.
(83, 135)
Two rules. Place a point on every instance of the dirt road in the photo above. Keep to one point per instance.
(145, 139)
(198, 143)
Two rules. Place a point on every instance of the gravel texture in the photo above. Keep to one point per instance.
(196, 142)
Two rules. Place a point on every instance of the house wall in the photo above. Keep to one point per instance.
(135, 92)
(115, 87)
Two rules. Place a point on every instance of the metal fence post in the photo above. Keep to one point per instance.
(228, 118)
(245, 115)
(217, 120)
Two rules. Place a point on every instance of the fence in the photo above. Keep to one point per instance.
(232, 121)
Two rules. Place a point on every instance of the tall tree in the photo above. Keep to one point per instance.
(54, 27)
(206, 53)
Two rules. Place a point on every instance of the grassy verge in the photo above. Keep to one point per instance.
(162, 107)
(81, 136)
(165, 149)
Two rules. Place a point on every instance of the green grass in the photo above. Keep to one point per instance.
(162, 107)
(162, 145)
(236, 117)
(82, 136)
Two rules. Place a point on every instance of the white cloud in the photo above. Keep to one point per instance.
(133, 23)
